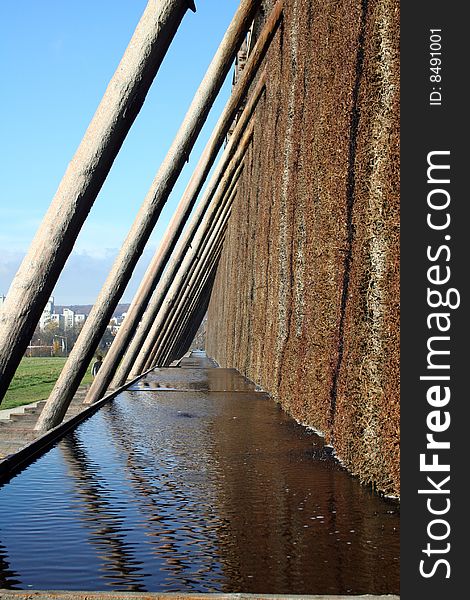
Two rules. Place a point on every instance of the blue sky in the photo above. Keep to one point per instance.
(57, 57)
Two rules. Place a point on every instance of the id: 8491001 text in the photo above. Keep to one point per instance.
(435, 67)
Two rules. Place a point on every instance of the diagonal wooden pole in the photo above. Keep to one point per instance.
(174, 229)
(163, 183)
(142, 344)
(194, 312)
(182, 310)
(151, 346)
(187, 325)
(201, 243)
(265, 36)
(82, 181)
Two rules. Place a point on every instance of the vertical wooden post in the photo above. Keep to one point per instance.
(169, 171)
(124, 96)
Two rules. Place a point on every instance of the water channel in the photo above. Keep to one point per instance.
(193, 481)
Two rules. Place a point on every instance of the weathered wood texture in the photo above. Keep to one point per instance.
(159, 261)
(306, 297)
(146, 219)
(126, 92)
(142, 337)
(189, 288)
(141, 346)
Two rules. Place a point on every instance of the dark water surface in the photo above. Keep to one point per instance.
(185, 487)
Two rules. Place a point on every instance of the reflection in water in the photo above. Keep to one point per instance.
(196, 492)
(209, 380)
(8, 578)
(103, 518)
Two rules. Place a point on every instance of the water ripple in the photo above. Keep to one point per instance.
(193, 492)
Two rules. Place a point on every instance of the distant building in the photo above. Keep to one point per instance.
(67, 320)
(79, 319)
(47, 313)
(58, 320)
(115, 323)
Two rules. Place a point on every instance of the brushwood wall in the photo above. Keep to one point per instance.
(306, 297)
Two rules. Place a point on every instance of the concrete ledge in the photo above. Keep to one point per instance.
(64, 595)
(5, 413)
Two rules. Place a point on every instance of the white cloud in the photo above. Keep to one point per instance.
(82, 278)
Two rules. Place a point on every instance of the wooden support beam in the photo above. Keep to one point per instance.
(183, 286)
(141, 346)
(214, 192)
(188, 293)
(193, 318)
(154, 272)
(150, 350)
(83, 179)
(133, 246)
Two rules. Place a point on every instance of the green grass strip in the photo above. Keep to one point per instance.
(35, 379)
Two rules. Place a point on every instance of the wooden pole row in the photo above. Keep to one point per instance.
(160, 260)
(173, 338)
(187, 310)
(83, 179)
(215, 188)
(184, 307)
(154, 273)
(141, 347)
(132, 248)
(195, 313)
(197, 316)
(146, 355)
(184, 281)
